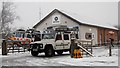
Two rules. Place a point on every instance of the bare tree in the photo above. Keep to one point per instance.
(8, 15)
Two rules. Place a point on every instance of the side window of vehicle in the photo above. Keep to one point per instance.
(28, 36)
(66, 37)
(59, 37)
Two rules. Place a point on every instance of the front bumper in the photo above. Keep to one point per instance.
(36, 47)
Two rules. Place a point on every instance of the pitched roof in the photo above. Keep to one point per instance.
(75, 18)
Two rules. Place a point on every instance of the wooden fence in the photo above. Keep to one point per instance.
(86, 46)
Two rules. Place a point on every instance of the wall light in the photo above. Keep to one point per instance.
(90, 29)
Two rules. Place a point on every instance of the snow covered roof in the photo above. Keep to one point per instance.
(75, 17)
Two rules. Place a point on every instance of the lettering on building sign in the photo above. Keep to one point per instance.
(111, 32)
(56, 19)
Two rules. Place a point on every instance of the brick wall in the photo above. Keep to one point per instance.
(104, 35)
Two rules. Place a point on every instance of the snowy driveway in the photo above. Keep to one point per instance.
(100, 58)
(25, 59)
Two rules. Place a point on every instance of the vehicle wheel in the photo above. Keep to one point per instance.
(59, 52)
(49, 52)
(34, 53)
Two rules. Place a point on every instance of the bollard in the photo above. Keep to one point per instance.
(4, 47)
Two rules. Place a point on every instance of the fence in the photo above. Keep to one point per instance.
(86, 46)
(15, 48)
(10, 47)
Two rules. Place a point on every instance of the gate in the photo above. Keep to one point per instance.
(85, 46)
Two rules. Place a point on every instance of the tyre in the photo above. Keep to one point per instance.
(49, 52)
(59, 52)
(34, 53)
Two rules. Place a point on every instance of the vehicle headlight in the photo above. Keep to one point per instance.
(31, 45)
(41, 45)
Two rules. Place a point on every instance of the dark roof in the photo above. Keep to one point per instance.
(80, 23)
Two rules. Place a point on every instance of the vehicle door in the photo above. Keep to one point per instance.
(66, 40)
(58, 41)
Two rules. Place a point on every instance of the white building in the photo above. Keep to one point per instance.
(56, 17)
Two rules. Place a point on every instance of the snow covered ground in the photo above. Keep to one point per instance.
(101, 58)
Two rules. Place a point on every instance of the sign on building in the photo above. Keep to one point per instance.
(56, 19)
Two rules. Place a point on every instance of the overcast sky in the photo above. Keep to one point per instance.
(103, 13)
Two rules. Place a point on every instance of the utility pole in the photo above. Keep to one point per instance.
(40, 14)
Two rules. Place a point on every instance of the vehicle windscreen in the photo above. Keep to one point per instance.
(48, 36)
(18, 34)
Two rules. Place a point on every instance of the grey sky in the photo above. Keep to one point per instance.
(103, 13)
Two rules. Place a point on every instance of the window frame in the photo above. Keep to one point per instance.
(64, 37)
(88, 35)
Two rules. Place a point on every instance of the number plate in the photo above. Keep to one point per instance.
(35, 49)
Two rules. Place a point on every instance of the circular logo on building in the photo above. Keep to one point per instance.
(56, 18)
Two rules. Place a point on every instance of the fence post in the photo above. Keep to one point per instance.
(4, 47)
(110, 52)
(24, 49)
(18, 49)
(73, 46)
(91, 46)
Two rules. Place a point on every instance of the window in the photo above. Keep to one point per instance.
(58, 37)
(66, 37)
(18, 34)
(88, 35)
(47, 36)
(29, 36)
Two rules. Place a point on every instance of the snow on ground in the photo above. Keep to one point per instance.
(101, 58)
(92, 61)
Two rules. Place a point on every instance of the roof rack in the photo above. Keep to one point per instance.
(60, 28)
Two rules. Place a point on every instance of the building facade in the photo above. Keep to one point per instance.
(99, 34)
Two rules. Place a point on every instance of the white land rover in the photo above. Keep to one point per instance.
(51, 44)
(52, 41)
